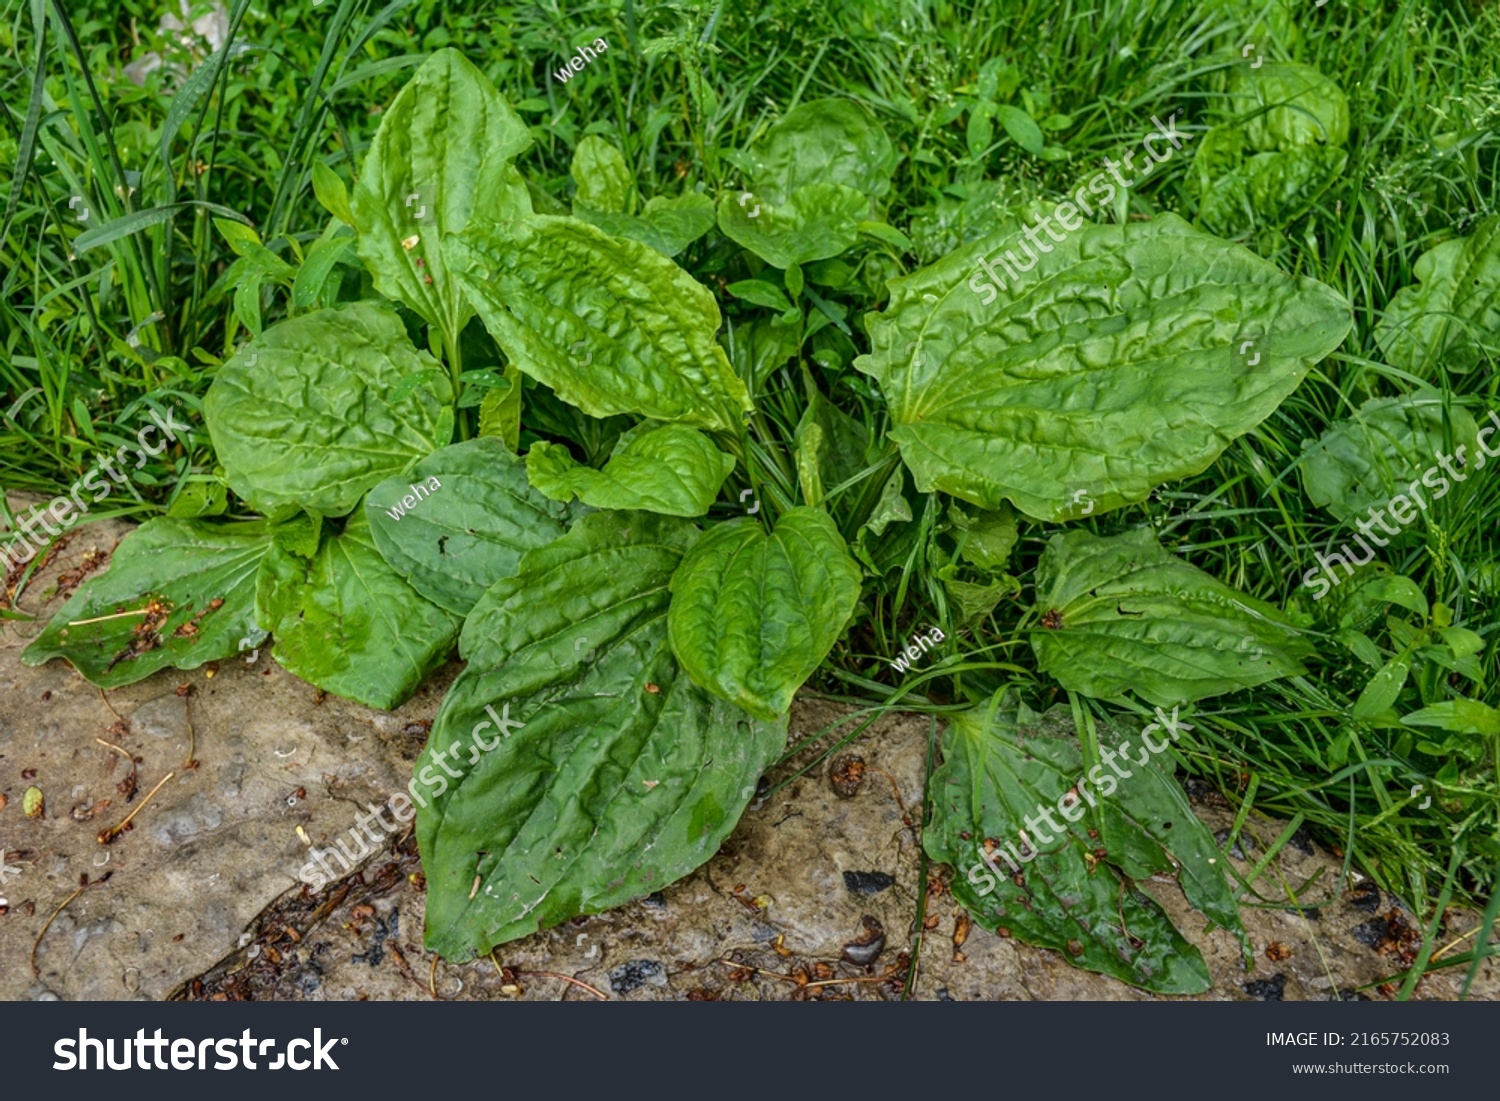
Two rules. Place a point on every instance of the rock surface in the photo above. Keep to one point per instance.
(815, 895)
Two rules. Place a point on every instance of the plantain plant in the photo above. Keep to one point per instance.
(443, 326)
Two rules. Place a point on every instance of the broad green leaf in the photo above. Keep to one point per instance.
(1401, 591)
(500, 397)
(892, 506)
(890, 235)
(1361, 647)
(257, 260)
(998, 79)
(761, 293)
(611, 325)
(1021, 127)
(1403, 634)
(1148, 827)
(624, 777)
(823, 141)
(313, 275)
(1268, 190)
(753, 615)
(1382, 689)
(810, 449)
(441, 157)
(468, 526)
(1458, 716)
(1443, 658)
(500, 416)
(240, 237)
(667, 225)
(1284, 150)
(973, 600)
(668, 468)
(155, 606)
(1451, 315)
(199, 498)
(1462, 642)
(794, 284)
(974, 577)
(1361, 599)
(247, 290)
(431, 378)
(302, 418)
(819, 221)
(840, 454)
(1037, 878)
(1286, 105)
(988, 536)
(1121, 614)
(1125, 357)
(980, 130)
(300, 535)
(1387, 453)
(838, 275)
(604, 179)
(347, 623)
(878, 546)
(1220, 151)
(331, 193)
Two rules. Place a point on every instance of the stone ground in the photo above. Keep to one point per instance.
(202, 900)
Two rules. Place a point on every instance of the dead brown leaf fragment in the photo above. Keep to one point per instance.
(960, 934)
(145, 636)
(69, 580)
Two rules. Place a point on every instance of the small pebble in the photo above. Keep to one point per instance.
(867, 883)
(634, 974)
(1266, 990)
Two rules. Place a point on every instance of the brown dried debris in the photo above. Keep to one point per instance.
(846, 774)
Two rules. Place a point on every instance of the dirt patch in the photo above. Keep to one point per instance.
(816, 894)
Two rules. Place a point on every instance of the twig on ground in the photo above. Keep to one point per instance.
(106, 836)
(187, 711)
(84, 885)
(105, 697)
(569, 979)
(102, 618)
